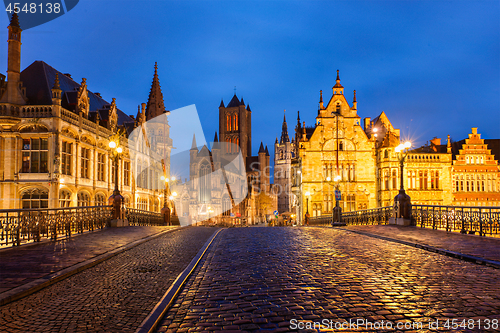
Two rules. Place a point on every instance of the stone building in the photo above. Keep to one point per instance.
(228, 184)
(284, 152)
(367, 164)
(54, 136)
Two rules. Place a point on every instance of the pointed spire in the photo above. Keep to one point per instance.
(56, 84)
(321, 104)
(337, 84)
(221, 103)
(155, 106)
(193, 145)
(448, 145)
(284, 131)
(261, 148)
(14, 21)
(248, 108)
(215, 138)
(276, 142)
(242, 103)
(354, 100)
(267, 151)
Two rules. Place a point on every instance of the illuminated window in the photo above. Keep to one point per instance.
(100, 200)
(35, 198)
(64, 198)
(35, 155)
(126, 173)
(83, 199)
(101, 158)
(85, 162)
(66, 158)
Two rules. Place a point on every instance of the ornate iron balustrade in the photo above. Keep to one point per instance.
(359, 217)
(32, 225)
(143, 217)
(483, 221)
(372, 216)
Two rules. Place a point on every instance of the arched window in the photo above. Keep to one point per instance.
(100, 200)
(226, 206)
(64, 199)
(83, 199)
(228, 122)
(394, 179)
(235, 122)
(205, 182)
(35, 198)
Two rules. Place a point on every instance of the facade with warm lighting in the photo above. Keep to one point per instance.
(54, 140)
(368, 164)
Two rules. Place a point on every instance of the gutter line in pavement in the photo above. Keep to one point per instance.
(156, 315)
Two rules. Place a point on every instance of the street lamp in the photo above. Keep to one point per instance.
(402, 201)
(308, 194)
(337, 210)
(116, 199)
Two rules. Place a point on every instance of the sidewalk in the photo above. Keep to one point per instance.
(28, 266)
(466, 247)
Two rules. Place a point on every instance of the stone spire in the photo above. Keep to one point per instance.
(155, 106)
(284, 131)
(56, 92)
(338, 88)
(321, 105)
(14, 94)
(354, 102)
(448, 145)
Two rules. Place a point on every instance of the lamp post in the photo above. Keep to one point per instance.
(306, 218)
(116, 199)
(337, 210)
(402, 201)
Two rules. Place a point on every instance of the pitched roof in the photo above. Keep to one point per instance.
(39, 78)
(235, 102)
(261, 148)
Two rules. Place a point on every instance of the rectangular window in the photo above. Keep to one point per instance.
(100, 166)
(35, 155)
(66, 158)
(126, 173)
(85, 160)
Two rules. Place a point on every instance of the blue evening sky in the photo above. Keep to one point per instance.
(432, 66)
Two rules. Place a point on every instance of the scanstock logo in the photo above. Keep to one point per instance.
(209, 178)
(33, 13)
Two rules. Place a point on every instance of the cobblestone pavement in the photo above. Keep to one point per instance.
(482, 247)
(113, 296)
(262, 279)
(20, 265)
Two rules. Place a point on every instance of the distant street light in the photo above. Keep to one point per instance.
(402, 200)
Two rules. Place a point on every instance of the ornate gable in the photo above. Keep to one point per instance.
(82, 99)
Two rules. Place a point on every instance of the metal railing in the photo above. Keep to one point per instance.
(379, 215)
(483, 221)
(480, 220)
(138, 217)
(359, 217)
(32, 225)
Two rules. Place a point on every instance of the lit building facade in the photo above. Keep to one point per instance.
(367, 164)
(54, 140)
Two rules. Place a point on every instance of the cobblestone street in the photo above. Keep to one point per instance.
(114, 296)
(265, 278)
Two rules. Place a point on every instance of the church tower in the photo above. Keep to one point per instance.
(235, 126)
(284, 151)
